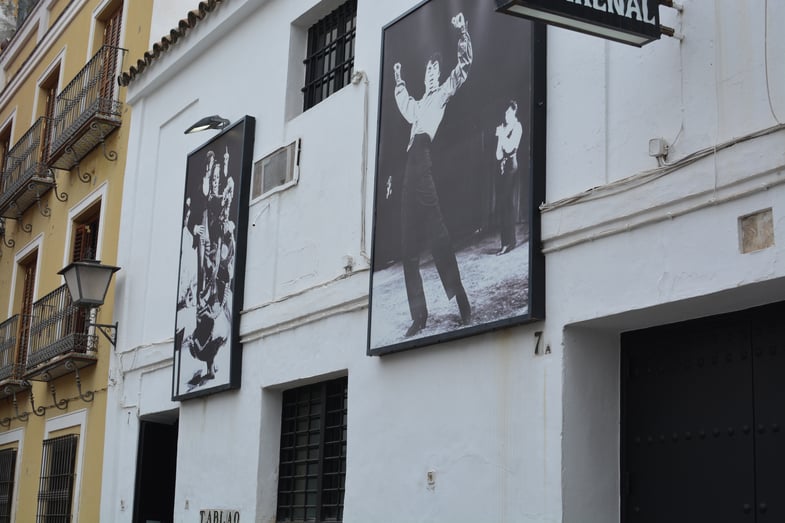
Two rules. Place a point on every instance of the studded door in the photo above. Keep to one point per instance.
(702, 407)
(768, 349)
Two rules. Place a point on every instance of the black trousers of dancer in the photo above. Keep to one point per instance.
(505, 200)
(422, 225)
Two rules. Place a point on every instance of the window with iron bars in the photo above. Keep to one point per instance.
(330, 60)
(7, 469)
(312, 467)
(56, 489)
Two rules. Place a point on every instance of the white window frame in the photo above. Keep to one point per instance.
(36, 244)
(66, 421)
(15, 436)
(57, 63)
(96, 196)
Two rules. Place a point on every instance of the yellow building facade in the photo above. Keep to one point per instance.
(63, 147)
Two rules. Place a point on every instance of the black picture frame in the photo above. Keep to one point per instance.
(460, 178)
(207, 350)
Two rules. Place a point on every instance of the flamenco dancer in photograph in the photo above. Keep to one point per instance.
(421, 216)
(209, 289)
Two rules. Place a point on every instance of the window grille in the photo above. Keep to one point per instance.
(55, 492)
(330, 60)
(312, 468)
(7, 468)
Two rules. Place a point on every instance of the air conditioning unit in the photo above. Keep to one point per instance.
(276, 171)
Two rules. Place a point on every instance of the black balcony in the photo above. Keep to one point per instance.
(58, 335)
(10, 367)
(8, 332)
(25, 176)
(86, 110)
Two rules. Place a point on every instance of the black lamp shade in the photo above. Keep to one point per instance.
(209, 122)
(88, 282)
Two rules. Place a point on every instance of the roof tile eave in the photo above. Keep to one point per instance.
(161, 46)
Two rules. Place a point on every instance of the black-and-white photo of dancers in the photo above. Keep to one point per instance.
(454, 176)
(208, 259)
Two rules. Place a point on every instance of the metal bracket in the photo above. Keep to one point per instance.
(85, 177)
(87, 397)
(61, 196)
(110, 155)
(38, 411)
(23, 416)
(63, 403)
(27, 227)
(8, 243)
(108, 330)
(45, 211)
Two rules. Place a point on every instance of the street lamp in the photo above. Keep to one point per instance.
(88, 282)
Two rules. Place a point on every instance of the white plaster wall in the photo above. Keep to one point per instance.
(484, 413)
(668, 249)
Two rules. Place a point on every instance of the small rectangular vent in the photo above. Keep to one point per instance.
(276, 171)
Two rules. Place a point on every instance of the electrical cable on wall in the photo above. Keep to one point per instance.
(644, 177)
(766, 57)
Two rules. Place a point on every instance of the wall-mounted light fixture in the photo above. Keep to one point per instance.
(209, 122)
(88, 282)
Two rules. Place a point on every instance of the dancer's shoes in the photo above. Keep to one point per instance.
(464, 307)
(417, 326)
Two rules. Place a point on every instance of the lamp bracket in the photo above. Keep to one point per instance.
(108, 330)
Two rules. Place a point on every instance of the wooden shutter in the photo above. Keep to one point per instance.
(49, 112)
(26, 315)
(85, 246)
(85, 241)
(112, 28)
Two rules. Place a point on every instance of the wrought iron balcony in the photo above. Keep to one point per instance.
(11, 366)
(86, 110)
(59, 338)
(8, 331)
(25, 176)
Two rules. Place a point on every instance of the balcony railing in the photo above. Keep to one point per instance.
(8, 333)
(86, 110)
(58, 333)
(25, 176)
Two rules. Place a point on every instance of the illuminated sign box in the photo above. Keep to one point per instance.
(633, 22)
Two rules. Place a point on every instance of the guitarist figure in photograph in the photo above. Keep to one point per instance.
(508, 136)
(422, 222)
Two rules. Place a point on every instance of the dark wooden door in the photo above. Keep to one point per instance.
(701, 414)
(768, 348)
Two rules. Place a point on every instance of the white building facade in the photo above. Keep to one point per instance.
(531, 422)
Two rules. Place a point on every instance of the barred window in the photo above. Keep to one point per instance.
(7, 468)
(330, 60)
(312, 468)
(56, 489)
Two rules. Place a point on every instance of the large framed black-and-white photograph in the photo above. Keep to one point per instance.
(460, 173)
(207, 352)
